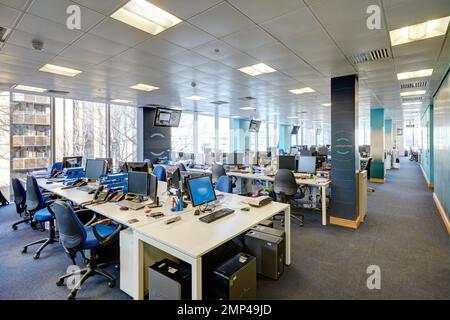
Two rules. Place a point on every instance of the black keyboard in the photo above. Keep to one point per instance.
(216, 215)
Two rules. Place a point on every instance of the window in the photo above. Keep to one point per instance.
(273, 136)
(80, 129)
(206, 133)
(123, 124)
(183, 136)
(4, 144)
(224, 135)
(262, 137)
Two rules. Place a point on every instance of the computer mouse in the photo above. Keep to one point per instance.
(246, 209)
(124, 208)
(197, 212)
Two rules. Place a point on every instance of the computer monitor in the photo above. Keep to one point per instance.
(138, 183)
(306, 153)
(307, 164)
(229, 158)
(323, 151)
(201, 190)
(72, 162)
(152, 188)
(109, 160)
(137, 166)
(295, 129)
(287, 162)
(95, 169)
(254, 126)
(294, 150)
(165, 117)
(174, 178)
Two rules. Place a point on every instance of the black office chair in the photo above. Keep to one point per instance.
(37, 208)
(367, 168)
(287, 191)
(182, 167)
(74, 237)
(217, 170)
(20, 197)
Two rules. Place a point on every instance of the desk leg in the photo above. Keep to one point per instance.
(287, 230)
(197, 279)
(324, 205)
(138, 257)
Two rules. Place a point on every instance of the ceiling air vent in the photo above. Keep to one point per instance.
(247, 98)
(219, 102)
(373, 55)
(412, 99)
(58, 92)
(4, 33)
(413, 85)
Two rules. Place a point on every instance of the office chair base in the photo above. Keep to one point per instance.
(86, 274)
(45, 242)
(26, 220)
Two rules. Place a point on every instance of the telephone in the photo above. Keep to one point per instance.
(98, 191)
(116, 196)
(260, 201)
(75, 184)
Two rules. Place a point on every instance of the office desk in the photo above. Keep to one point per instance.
(189, 239)
(321, 183)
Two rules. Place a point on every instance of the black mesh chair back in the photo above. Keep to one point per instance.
(218, 170)
(34, 198)
(71, 231)
(20, 195)
(285, 182)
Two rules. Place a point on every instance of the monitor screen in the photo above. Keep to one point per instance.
(254, 126)
(287, 162)
(295, 130)
(109, 160)
(137, 166)
(174, 178)
(167, 117)
(72, 162)
(307, 164)
(153, 187)
(201, 190)
(138, 183)
(95, 169)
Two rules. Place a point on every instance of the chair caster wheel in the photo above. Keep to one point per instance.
(116, 266)
(24, 250)
(112, 284)
(36, 256)
(14, 227)
(60, 283)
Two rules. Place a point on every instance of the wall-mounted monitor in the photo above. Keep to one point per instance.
(165, 117)
(254, 126)
(295, 129)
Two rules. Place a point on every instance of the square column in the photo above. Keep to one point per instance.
(377, 145)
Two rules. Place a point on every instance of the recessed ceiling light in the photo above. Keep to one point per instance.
(421, 31)
(195, 98)
(257, 69)
(414, 74)
(302, 90)
(412, 93)
(62, 71)
(248, 108)
(326, 104)
(177, 108)
(411, 103)
(274, 113)
(144, 87)
(292, 117)
(29, 88)
(121, 101)
(145, 16)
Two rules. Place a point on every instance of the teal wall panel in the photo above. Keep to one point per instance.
(377, 138)
(426, 151)
(441, 138)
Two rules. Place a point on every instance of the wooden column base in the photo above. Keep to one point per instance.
(442, 212)
(376, 180)
(353, 224)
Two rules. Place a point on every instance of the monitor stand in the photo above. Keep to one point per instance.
(155, 204)
(206, 208)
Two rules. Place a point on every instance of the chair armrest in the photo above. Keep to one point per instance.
(103, 241)
(94, 215)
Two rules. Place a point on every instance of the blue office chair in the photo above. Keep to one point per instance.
(37, 208)
(74, 237)
(287, 191)
(160, 173)
(20, 197)
(281, 152)
(224, 184)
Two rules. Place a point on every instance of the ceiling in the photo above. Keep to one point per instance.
(308, 42)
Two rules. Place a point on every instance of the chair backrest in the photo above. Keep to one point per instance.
(72, 233)
(34, 198)
(160, 173)
(181, 166)
(285, 182)
(20, 195)
(150, 163)
(224, 184)
(368, 164)
(58, 166)
(218, 171)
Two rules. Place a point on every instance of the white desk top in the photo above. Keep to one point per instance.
(195, 238)
(261, 176)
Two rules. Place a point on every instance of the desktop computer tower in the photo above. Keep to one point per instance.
(269, 230)
(236, 278)
(168, 280)
(269, 252)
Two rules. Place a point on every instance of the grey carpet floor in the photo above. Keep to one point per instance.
(403, 235)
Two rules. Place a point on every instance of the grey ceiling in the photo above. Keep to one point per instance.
(307, 42)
